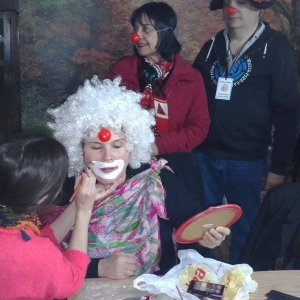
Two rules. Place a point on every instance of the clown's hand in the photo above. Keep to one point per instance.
(214, 237)
(118, 266)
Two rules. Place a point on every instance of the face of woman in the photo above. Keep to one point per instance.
(109, 159)
(148, 39)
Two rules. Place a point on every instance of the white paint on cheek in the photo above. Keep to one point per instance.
(99, 165)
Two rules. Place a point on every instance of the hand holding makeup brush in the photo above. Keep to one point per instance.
(86, 191)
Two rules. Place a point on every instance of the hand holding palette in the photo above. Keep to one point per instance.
(193, 229)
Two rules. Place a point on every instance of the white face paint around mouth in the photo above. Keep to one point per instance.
(98, 167)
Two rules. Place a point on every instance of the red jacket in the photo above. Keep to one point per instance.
(187, 105)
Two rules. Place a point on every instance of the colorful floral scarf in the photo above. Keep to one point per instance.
(152, 80)
(127, 220)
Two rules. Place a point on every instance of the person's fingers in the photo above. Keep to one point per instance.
(92, 184)
(118, 266)
(205, 243)
(131, 269)
(90, 176)
(211, 238)
(87, 181)
(136, 273)
(77, 181)
(216, 237)
(88, 188)
(128, 262)
(128, 273)
(223, 230)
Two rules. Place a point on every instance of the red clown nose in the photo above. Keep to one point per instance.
(104, 135)
(134, 38)
(230, 11)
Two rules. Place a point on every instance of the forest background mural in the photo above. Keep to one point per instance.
(65, 42)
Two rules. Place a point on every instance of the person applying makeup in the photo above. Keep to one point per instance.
(33, 169)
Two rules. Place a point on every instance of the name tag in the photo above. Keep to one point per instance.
(224, 88)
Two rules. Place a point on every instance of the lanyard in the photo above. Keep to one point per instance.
(231, 61)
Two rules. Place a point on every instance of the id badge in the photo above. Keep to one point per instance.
(224, 88)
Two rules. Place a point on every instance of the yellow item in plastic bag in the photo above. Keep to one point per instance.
(200, 272)
(233, 281)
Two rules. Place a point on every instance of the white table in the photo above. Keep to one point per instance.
(283, 281)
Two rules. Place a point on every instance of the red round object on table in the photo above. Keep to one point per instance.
(230, 10)
(104, 135)
(134, 38)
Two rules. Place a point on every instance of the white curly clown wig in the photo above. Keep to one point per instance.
(98, 105)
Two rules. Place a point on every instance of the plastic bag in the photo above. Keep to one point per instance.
(236, 278)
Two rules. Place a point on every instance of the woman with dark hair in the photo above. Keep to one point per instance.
(169, 84)
(33, 169)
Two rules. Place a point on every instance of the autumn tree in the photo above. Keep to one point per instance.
(288, 12)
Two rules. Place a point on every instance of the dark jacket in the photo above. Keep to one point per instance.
(265, 93)
(187, 104)
(270, 240)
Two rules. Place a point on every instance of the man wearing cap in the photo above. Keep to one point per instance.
(250, 77)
